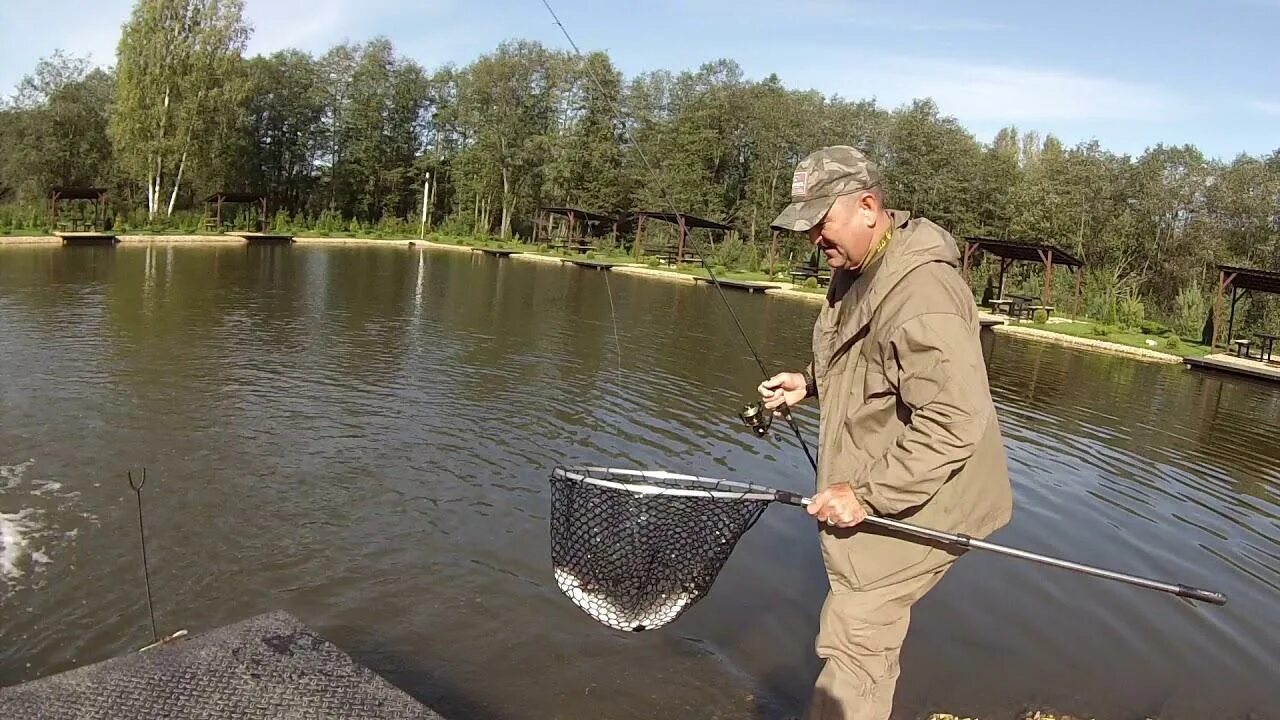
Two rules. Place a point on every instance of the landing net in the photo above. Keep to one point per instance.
(635, 549)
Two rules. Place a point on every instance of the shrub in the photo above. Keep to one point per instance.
(653, 262)
(752, 258)
(1151, 327)
(1101, 330)
(329, 222)
(1173, 342)
(1041, 316)
(1191, 310)
(1130, 311)
(811, 283)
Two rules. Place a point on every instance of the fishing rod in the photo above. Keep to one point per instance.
(758, 419)
(751, 409)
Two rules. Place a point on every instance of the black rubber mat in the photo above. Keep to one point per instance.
(269, 666)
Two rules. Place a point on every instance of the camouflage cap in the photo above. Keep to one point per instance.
(822, 177)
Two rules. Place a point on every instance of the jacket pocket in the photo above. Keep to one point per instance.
(867, 559)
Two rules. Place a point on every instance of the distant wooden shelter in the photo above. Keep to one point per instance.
(683, 221)
(1240, 280)
(1009, 252)
(63, 194)
(215, 202)
(569, 217)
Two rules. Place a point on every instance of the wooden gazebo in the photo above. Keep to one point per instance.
(1240, 280)
(570, 217)
(95, 195)
(1009, 252)
(214, 203)
(683, 221)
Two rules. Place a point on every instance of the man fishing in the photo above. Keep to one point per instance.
(907, 426)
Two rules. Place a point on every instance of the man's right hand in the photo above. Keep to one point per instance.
(787, 387)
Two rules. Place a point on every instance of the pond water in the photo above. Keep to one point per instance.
(363, 436)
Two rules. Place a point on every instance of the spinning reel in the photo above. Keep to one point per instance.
(757, 417)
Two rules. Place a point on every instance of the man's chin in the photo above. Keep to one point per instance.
(835, 262)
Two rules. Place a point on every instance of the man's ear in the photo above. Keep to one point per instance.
(869, 209)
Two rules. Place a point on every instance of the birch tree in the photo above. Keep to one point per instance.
(177, 69)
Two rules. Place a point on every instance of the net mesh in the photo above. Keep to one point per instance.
(636, 549)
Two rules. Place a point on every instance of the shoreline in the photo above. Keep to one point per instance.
(1103, 346)
(1030, 333)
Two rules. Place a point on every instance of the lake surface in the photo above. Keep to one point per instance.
(363, 435)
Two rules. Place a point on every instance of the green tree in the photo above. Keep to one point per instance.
(508, 102)
(54, 132)
(176, 76)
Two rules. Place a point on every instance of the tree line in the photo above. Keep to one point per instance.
(349, 135)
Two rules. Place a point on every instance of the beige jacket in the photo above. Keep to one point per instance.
(906, 413)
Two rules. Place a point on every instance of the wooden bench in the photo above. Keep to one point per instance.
(580, 247)
(1048, 310)
(668, 255)
(804, 272)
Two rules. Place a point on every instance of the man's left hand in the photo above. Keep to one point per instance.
(837, 506)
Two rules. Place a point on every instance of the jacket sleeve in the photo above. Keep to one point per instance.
(941, 377)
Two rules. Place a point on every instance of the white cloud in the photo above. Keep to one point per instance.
(903, 16)
(92, 27)
(281, 24)
(316, 25)
(982, 92)
(1267, 107)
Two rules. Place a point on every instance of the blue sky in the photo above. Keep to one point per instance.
(1128, 73)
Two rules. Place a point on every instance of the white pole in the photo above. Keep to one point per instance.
(426, 191)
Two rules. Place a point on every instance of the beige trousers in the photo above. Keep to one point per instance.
(859, 637)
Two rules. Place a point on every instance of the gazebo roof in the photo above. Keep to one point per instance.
(76, 193)
(692, 221)
(566, 211)
(1267, 281)
(1026, 251)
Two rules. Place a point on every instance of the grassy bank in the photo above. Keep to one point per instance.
(1029, 715)
(1166, 343)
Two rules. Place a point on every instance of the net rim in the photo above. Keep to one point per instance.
(748, 491)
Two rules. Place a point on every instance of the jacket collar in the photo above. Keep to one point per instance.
(853, 296)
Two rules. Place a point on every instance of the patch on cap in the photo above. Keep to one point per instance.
(798, 183)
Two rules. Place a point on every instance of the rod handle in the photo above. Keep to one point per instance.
(1207, 596)
(790, 498)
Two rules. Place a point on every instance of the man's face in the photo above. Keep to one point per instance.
(845, 233)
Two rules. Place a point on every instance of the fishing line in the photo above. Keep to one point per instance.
(614, 316)
(656, 514)
(667, 200)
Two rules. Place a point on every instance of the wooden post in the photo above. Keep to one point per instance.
(537, 223)
(773, 252)
(1047, 256)
(262, 222)
(639, 233)
(1223, 282)
(1231, 317)
(219, 217)
(1075, 308)
(683, 232)
(970, 248)
(1004, 265)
